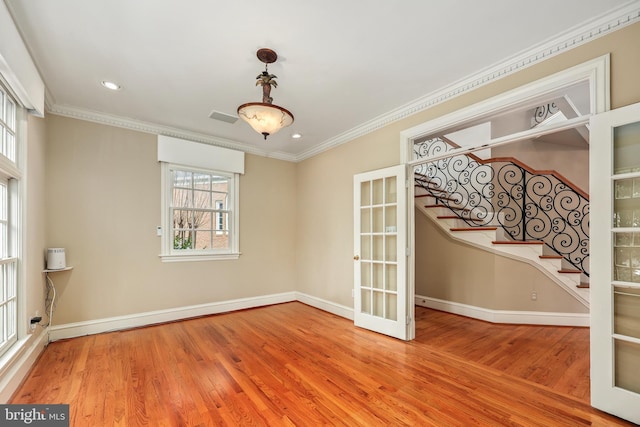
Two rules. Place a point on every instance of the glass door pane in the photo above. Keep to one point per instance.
(626, 256)
(378, 238)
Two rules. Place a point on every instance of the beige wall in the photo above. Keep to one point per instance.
(571, 161)
(35, 212)
(324, 255)
(325, 207)
(103, 206)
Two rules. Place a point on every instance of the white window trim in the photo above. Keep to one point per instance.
(167, 252)
(11, 172)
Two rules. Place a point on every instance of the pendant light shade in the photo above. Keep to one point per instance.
(265, 117)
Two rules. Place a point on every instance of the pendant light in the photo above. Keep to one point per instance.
(265, 117)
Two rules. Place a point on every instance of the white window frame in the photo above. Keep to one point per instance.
(168, 253)
(11, 175)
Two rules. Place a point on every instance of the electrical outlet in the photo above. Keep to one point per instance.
(534, 296)
(34, 322)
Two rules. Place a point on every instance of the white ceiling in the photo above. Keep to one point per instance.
(341, 63)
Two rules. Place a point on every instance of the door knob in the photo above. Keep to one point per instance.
(356, 257)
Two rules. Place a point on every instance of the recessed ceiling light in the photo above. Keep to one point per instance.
(296, 136)
(110, 85)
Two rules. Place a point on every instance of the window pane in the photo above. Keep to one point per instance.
(10, 115)
(202, 181)
(203, 220)
(182, 239)
(202, 199)
(221, 240)
(10, 146)
(182, 198)
(202, 239)
(181, 179)
(182, 219)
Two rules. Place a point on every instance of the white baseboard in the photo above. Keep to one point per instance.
(322, 304)
(97, 326)
(71, 330)
(504, 316)
(15, 365)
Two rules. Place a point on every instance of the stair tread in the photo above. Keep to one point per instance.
(519, 242)
(457, 217)
(425, 182)
(569, 271)
(583, 286)
(473, 228)
(437, 197)
(440, 205)
(551, 257)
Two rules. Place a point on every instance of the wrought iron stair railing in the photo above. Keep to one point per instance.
(527, 204)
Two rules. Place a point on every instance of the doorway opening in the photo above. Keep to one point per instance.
(473, 160)
(543, 125)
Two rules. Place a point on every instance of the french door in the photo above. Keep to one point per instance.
(381, 301)
(615, 259)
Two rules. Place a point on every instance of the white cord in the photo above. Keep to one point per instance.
(53, 299)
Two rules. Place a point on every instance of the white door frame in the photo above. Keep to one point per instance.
(595, 72)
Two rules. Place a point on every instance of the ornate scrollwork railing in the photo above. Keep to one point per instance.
(527, 204)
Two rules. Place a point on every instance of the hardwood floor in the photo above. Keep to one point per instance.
(291, 364)
(556, 357)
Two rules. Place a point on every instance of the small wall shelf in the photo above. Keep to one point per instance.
(56, 270)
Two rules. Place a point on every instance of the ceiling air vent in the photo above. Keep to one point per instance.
(223, 117)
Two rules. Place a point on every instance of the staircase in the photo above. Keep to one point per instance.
(502, 206)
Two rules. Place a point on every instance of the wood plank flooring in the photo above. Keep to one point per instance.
(556, 357)
(291, 364)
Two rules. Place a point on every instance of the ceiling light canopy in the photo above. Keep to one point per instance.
(265, 117)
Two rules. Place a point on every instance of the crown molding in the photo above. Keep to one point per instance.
(156, 129)
(615, 20)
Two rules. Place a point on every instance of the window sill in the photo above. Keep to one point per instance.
(199, 257)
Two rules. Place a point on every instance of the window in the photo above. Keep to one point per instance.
(8, 221)
(200, 214)
(200, 200)
(197, 201)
